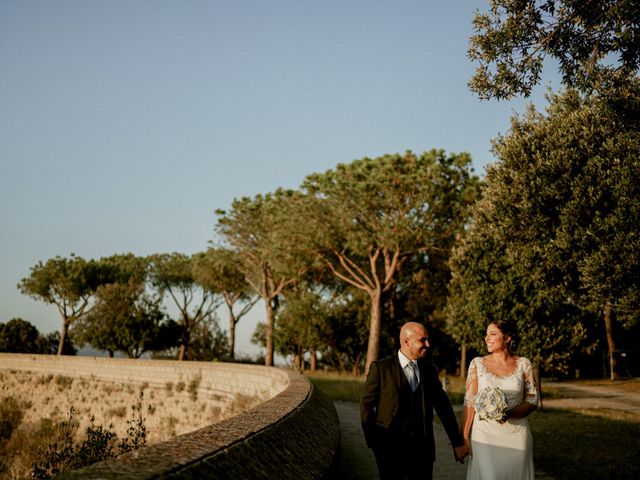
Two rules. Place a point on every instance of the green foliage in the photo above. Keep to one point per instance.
(367, 219)
(299, 322)
(344, 330)
(557, 233)
(208, 342)
(49, 344)
(259, 231)
(19, 336)
(193, 386)
(594, 42)
(126, 319)
(100, 443)
(67, 283)
(173, 275)
(218, 270)
(11, 413)
(136, 428)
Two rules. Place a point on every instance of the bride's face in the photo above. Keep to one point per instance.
(495, 339)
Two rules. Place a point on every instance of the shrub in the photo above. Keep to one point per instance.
(62, 381)
(11, 414)
(193, 388)
(119, 412)
(100, 443)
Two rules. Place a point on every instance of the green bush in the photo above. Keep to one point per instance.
(100, 443)
(11, 414)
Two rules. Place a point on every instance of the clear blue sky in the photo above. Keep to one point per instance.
(125, 124)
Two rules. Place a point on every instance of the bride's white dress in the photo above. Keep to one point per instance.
(501, 451)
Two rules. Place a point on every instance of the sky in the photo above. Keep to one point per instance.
(124, 125)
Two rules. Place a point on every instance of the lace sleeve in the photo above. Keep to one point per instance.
(530, 389)
(471, 389)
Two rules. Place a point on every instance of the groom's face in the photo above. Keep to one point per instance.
(416, 343)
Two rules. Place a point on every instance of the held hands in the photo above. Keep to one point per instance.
(460, 453)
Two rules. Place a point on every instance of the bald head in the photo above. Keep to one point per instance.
(414, 340)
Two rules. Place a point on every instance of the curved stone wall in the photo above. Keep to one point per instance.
(295, 434)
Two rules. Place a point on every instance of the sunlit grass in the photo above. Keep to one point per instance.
(348, 388)
(337, 386)
(586, 444)
(626, 384)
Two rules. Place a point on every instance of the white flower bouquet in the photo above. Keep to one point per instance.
(491, 404)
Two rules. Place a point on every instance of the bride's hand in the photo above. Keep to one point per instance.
(467, 443)
(505, 417)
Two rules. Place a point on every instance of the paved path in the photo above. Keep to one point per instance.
(592, 396)
(357, 462)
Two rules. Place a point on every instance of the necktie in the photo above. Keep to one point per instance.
(413, 375)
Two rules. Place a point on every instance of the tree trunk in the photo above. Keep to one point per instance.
(355, 368)
(182, 352)
(463, 361)
(110, 353)
(232, 333)
(63, 336)
(608, 326)
(297, 362)
(373, 346)
(268, 356)
(314, 360)
(538, 379)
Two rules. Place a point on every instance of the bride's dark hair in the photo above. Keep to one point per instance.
(509, 329)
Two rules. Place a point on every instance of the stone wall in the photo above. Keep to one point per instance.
(295, 434)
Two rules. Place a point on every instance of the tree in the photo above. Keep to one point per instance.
(365, 219)
(218, 270)
(594, 42)
(208, 342)
(299, 324)
(19, 336)
(257, 230)
(67, 283)
(173, 274)
(49, 344)
(561, 215)
(344, 332)
(489, 282)
(126, 319)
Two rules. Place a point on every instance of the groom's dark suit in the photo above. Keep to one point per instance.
(397, 422)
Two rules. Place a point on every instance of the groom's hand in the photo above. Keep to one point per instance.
(460, 452)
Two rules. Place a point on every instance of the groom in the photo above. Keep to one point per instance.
(396, 410)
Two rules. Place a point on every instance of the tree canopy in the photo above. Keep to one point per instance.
(365, 219)
(554, 241)
(173, 275)
(126, 319)
(593, 41)
(218, 270)
(67, 283)
(19, 336)
(258, 231)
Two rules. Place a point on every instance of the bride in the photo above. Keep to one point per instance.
(500, 441)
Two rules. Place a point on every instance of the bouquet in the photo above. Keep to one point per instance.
(491, 404)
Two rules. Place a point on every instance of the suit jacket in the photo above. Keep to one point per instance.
(380, 408)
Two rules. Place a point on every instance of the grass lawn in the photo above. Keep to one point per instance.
(568, 444)
(340, 387)
(586, 444)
